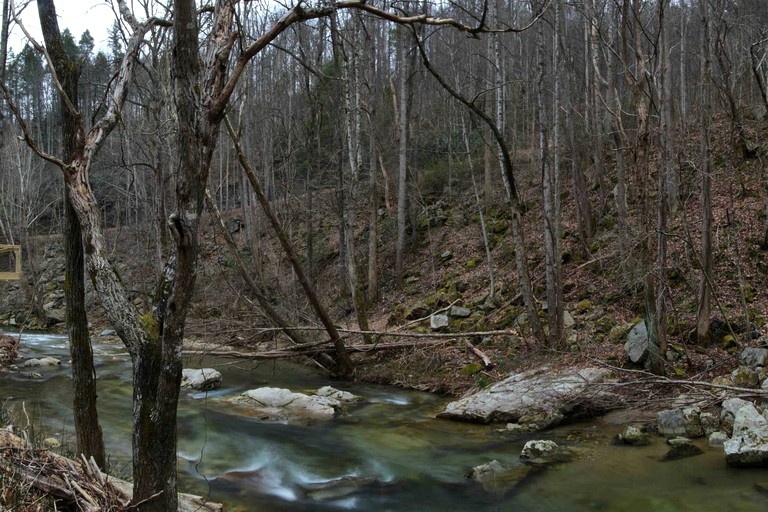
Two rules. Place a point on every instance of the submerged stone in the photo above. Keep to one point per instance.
(499, 478)
(633, 436)
(680, 448)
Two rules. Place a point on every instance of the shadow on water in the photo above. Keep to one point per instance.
(389, 453)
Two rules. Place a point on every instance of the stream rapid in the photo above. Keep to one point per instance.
(389, 453)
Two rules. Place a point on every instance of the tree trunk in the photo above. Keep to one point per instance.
(90, 441)
(402, 176)
(703, 314)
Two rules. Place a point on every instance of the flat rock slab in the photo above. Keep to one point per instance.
(537, 398)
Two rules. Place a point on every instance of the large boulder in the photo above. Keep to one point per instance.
(748, 445)
(536, 399)
(200, 379)
(278, 404)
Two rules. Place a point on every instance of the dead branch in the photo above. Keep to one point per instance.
(487, 363)
(81, 485)
(650, 378)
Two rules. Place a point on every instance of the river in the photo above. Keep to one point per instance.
(393, 451)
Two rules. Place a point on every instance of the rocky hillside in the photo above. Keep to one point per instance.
(447, 285)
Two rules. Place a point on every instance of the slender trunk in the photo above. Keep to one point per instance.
(510, 186)
(703, 314)
(402, 177)
(90, 440)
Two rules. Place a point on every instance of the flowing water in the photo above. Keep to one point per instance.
(387, 454)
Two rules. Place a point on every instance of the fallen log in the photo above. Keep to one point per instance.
(301, 351)
(80, 485)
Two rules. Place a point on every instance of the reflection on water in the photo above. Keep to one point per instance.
(387, 454)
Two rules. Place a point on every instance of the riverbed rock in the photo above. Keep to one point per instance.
(337, 394)
(538, 448)
(717, 439)
(278, 404)
(460, 312)
(680, 448)
(633, 436)
(748, 446)
(339, 487)
(39, 363)
(728, 412)
(499, 478)
(536, 399)
(709, 422)
(200, 379)
(680, 422)
(745, 377)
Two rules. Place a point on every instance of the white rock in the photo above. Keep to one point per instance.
(202, 379)
(538, 448)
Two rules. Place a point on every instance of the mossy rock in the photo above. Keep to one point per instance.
(749, 293)
(499, 227)
(418, 310)
(471, 369)
(506, 317)
(472, 263)
(583, 306)
(619, 332)
(604, 325)
(722, 380)
(729, 343)
(745, 377)
(675, 276)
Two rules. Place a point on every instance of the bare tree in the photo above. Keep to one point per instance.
(90, 441)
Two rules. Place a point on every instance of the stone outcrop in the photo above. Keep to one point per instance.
(535, 399)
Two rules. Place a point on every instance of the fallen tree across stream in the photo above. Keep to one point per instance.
(309, 349)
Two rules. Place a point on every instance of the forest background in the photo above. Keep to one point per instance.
(559, 168)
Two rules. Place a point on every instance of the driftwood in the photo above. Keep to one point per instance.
(79, 484)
